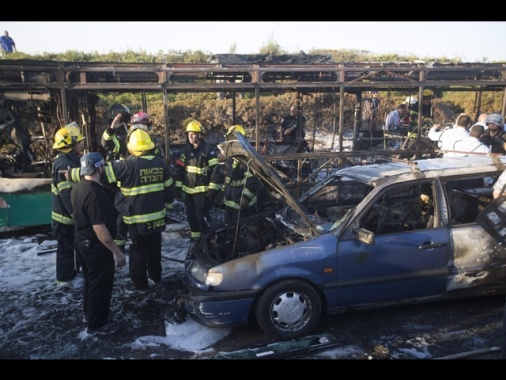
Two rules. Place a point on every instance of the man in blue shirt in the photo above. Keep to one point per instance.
(7, 43)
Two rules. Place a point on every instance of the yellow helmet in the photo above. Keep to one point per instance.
(427, 93)
(75, 132)
(187, 121)
(236, 129)
(133, 127)
(63, 140)
(139, 142)
(194, 126)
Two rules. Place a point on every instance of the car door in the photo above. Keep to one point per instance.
(408, 255)
(479, 261)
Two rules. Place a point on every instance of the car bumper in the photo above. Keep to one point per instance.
(218, 309)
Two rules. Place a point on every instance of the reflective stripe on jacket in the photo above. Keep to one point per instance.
(197, 170)
(61, 207)
(146, 184)
(240, 183)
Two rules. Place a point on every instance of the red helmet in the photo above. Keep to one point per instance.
(140, 118)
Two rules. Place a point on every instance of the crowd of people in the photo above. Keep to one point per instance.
(485, 136)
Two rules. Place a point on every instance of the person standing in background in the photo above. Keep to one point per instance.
(370, 110)
(495, 136)
(241, 186)
(460, 131)
(471, 143)
(7, 43)
(394, 118)
(292, 125)
(97, 252)
(481, 119)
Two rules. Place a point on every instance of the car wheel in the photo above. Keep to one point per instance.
(288, 310)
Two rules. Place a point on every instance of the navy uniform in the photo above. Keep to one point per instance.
(97, 253)
(241, 186)
(68, 143)
(116, 147)
(198, 179)
(148, 189)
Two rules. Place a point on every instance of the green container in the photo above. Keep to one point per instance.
(26, 208)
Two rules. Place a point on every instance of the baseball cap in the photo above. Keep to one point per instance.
(91, 161)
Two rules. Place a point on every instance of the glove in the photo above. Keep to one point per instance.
(211, 194)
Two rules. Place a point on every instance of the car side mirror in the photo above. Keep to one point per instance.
(363, 235)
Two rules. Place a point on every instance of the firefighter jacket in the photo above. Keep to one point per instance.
(148, 188)
(197, 170)
(61, 208)
(241, 186)
(114, 144)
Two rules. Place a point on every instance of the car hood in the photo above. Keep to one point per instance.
(244, 152)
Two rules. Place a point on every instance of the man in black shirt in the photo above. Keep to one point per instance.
(98, 254)
(293, 125)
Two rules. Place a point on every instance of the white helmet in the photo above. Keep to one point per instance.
(411, 100)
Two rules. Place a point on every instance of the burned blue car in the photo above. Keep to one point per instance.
(365, 237)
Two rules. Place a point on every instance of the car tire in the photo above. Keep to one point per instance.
(288, 310)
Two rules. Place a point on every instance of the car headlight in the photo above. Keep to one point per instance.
(210, 278)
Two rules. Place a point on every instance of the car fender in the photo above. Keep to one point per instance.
(313, 260)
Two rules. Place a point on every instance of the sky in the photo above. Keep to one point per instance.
(469, 41)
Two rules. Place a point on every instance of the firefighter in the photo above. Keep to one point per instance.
(68, 142)
(197, 178)
(241, 186)
(115, 143)
(116, 146)
(148, 190)
(410, 120)
(427, 96)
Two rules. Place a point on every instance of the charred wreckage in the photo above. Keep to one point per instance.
(37, 97)
(367, 237)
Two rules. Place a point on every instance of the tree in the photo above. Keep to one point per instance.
(272, 47)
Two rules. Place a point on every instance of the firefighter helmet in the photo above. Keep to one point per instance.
(133, 127)
(495, 118)
(75, 132)
(63, 140)
(139, 142)
(411, 100)
(427, 93)
(235, 129)
(187, 121)
(140, 118)
(194, 126)
(119, 108)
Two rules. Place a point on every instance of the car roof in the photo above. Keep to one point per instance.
(376, 174)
